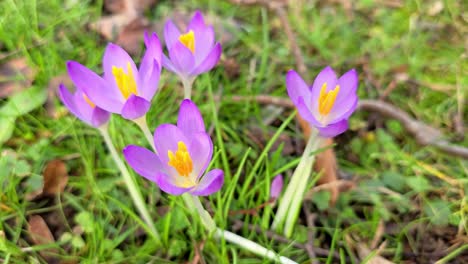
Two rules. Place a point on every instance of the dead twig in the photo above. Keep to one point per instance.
(309, 246)
(424, 134)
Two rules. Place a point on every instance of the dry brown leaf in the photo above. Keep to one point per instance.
(131, 36)
(364, 251)
(126, 24)
(40, 234)
(325, 162)
(55, 177)
(15, 76)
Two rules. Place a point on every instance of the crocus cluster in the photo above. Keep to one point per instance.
(184, 150)
(328, 103)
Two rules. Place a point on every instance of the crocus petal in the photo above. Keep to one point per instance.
(143, 161)
(204, 41)
(306, 113)
(182, 58)
(135, 107)
(276, 186)
(171, 34)
(210, 183)
(153, 47)
(296, 87)
(167, 63)
(333, 130)
(69, 101)
(166, 137)
(86, 110)
(201, 151)
(348, 83)
(150, 80)
(210, 61)
(99, 117)
(197, 23)
(343, 110)
(95, 87)
(190, 120)
(118, 57)
(327, 75)
(164, 183)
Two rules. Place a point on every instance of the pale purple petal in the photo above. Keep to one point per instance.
(204, 41)
(305, 112)
(143, 161)
(166, 137)
(150, 80)
(210, 61)
(118, 57)
(276, 186)
(348, 83)
(201, 152)
(182, 58)
(165, 183)
(95, 87)
(197, 23)
(153, 47)
(210, 183)
(135, 107)
(171, 34)
(190, 120)
(296, 87)
(333, 130)
(99, 117)
(328, 76)
(343, 110)
(167, 63)
(86, 110)
(68, 100)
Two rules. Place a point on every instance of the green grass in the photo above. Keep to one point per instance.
(396, 182)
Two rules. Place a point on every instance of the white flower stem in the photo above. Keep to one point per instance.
(141, 122)
(130, 183)
(293, 195)
(187, 83)
(252, 246)
(219, 233)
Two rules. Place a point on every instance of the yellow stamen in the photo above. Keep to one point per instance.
(188, 39)
(327, 99)
(88, 101)
(125, 81)
(181, 160)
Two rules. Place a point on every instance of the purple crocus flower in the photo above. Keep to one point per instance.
(193, 52)
(276, 186)
(83, 108)
(328, 103)
(184, 152)
(123, 89)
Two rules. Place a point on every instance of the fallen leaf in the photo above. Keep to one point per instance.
(40, 234)
(55, 177)
(125, 19)
(325, 162)
(15, 76)
(131, 36)
(364, 252)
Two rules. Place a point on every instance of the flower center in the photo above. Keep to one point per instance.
(327, 99)
(181, 160)
(125, 81)
(188, 39)
(88, 101)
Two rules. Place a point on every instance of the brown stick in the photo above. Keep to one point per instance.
(424, 134)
